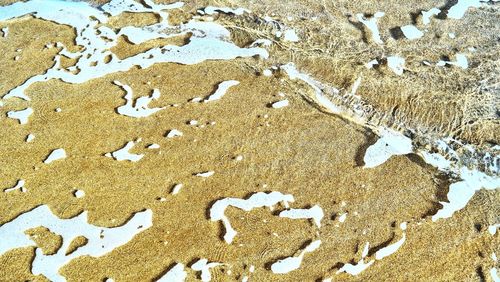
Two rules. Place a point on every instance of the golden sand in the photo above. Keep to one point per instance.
(300, 150)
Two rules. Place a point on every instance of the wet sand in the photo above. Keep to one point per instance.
(300, 150)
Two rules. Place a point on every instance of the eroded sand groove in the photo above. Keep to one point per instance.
(202, 136)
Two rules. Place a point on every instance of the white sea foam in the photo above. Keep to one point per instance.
(391, 249)
(177, 188)
(396, 64)
(30, 138)
(267, 72)
(426, 15)
(280, 104)
(458, 10)
(257, 200)
(291, 35)
(461, 192)
(317, 86)
(261, 42)
(221, 90)
(343, 217)
(19, 186)
(79, 193)
(22, 115)
(461, 61)
(288, 264)
(315, 213)
(360, 266)
(371, 24)
(123, 154)
(209, 41)
(153, 146)
(204, 266)
(356, 268)
(411, 32)
(174, 133)
(139, 108)
(210, 10)
(492, 229)
(436, 160)
(391, 143)
(371, 63)
(101, 240)
(57, 154)
(176, 274)
(205, 174)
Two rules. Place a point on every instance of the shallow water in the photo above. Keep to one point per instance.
(209, 114)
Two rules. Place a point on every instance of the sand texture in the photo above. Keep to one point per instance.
(252, 145)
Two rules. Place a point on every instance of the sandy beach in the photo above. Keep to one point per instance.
(302, 122)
